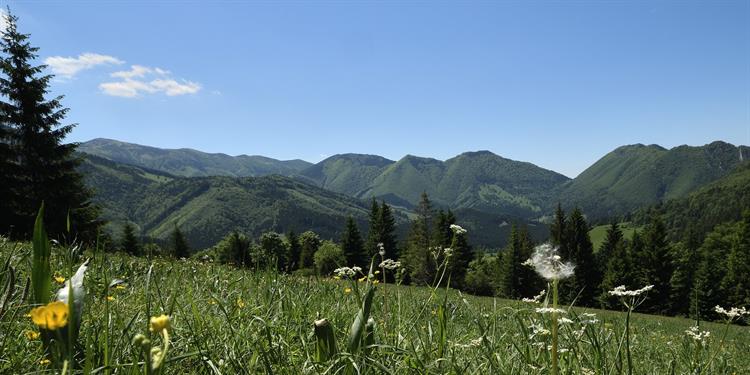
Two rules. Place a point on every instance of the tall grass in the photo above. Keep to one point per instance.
(235, 321)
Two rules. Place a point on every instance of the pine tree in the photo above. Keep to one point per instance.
(42, 168)
(374, 232)
(656, 265)
(443, 235)
(612, 239)
(584, 284)
(388, 231)
(180, 247)
(510, 260)
(737, 280)
(714, 252)
(295, 249)
(686, 262)
(418, 261)
(558, 231)
(463, 254)
(309, 244)
(353, 247)
(616, 267)
(129, 242)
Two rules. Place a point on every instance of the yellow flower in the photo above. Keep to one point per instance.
(337, 277)
(52, 316)
(120, 286)
(347, 290)
(361, 280)
(377, 272)
(45, 362)
(31, 335)
(110, 298)
(240, 303)
(376, 281)
(59, 279)
(159, 323)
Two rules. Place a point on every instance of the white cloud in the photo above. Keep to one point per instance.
(68, 67)
(133, 83)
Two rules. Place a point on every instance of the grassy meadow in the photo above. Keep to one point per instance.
(233, 321)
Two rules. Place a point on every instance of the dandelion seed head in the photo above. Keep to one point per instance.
(546, 262)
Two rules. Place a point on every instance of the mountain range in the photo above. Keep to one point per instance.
(215, 193)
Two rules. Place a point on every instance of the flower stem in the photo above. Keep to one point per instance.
(554, 327)
(627, 339)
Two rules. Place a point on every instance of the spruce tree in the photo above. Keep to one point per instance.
(295, 249)
(510, 260)
(583, 286)
(388, 231)
(375, 230)
(656, 265)
(443, 235)
(558, 231)
(612, 239)
(737, 280)
(713, 253)
(309, 244)
(129, 242)
(180, 247)
(418, 260)
(463, 254)
(686, 262)
(353, 247)
(617, 267)
(41, 167)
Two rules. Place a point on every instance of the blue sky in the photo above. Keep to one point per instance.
(557, 83)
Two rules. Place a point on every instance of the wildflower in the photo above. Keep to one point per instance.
(31, 335)
(588, 318)
(110, 298)
(620, 291)
(337, 277)
(733, 313)
(547, 263)
(347, 290)
(79, 294)
(536, 299)
(159, 323)
(457, 229)
(51, 316)
(377, 272)
(390, 264)
(240, 303)
(381, 249)
(59, 279)
(45, 362)
(347, 271)
(548, 310)
(376, 281)
(120, 287)
(564, 320)
(697, 335)
(362, 279)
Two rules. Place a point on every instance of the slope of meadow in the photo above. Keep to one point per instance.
(232, 321)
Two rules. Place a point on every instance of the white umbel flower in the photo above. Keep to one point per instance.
(620, 291)
(734, 312)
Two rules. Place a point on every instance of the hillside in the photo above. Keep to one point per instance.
(350, 174)
(637, 175)
(207, 208)
(718, 202)
(190, 163)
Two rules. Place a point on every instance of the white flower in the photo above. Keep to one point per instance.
(381, 249)
(547, 263)
(79, 292)
(548, 310)
(696, 334)
(620, 291)
(390, 264)
(347, 272)
(588, 318)
(564, 320)
(457, 229)
(733, 313)
(536, 299)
